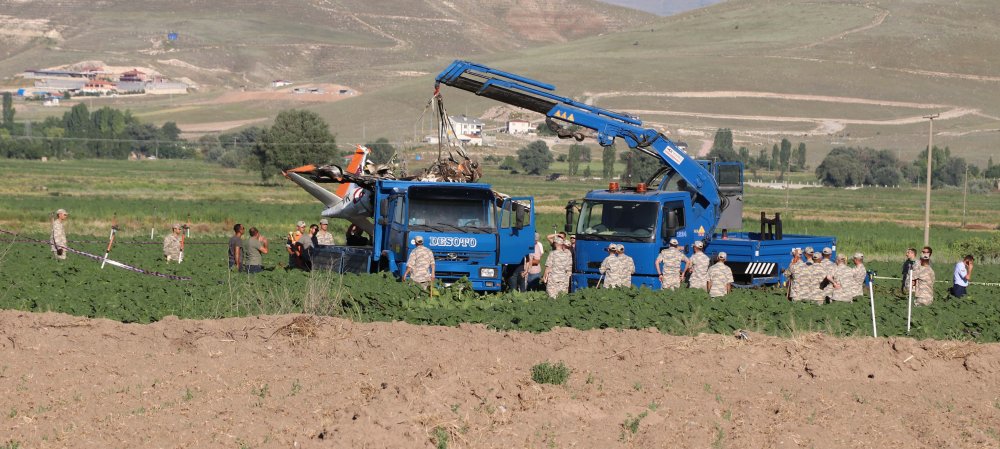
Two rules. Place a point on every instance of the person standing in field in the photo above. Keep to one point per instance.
(793, 273)
(908, 265)
(58, 235)
(558, 268)
(858, 275)
(720, 278)
(323, 236)
(669, 266)
(172, 244)
(420, 264)
(963, 271)
(841, 281)
(254, 248)
(812, 278)
(533, 271)
(699, 267)
(923, 282)
(236, 248)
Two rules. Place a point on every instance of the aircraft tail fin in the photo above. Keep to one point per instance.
(328, 198)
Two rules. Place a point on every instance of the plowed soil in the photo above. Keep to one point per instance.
(308, 382)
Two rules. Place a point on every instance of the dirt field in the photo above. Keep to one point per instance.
(303, 382)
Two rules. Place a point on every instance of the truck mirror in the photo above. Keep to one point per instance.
(671, 223)
(519, 213)
(570, 207)
(383, 211)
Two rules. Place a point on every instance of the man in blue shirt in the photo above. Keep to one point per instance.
(963, 270)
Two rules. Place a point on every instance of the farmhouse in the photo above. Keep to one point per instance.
(134, 75)
(97, 86)
(518, 127)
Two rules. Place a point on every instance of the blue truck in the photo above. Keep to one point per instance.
(686, 199)
(473, 231)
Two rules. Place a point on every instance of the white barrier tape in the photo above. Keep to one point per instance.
(988, 284)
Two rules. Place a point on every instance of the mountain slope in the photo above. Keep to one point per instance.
(252, 42)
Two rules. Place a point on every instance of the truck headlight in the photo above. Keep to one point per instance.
(487, 272)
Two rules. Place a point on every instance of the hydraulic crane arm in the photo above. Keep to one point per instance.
(539, 97)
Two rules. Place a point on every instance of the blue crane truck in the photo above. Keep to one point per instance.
(474, 232)
(686, 199)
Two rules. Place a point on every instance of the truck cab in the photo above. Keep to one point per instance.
(472, 232)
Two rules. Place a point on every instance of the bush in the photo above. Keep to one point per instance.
(548, 373)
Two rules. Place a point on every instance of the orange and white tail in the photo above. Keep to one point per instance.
(348, 201)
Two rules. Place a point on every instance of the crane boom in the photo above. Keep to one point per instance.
(539, 97)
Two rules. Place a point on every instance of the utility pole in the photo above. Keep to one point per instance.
(965, 195)
(927, 199)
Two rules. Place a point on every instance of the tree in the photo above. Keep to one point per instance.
(993, 172)
(8, 112)
(785, 152)
(775, 157)
(170, 131)
(381, 151)
(800, 156)
(535, 157)
(762, 160)
(584, 153)
(639, 167)
(608, 160)
(841, 168)
(298, 137)
(509, 163)
(744, 155)
(77, 121)
(723, 140)
(574, 158)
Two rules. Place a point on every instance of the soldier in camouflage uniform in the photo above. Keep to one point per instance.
(793, 272)
(923, 282)
(842, 283)
(323, 236)
(668, 265)
(558, 268)
(858, 275)
(720, 278)
(698, 267)
(617, 268)
(830, 266)
(812, 276)
(172, 244)
(420, 264)
(58, 240)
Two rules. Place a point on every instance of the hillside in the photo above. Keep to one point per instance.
(252, 42)
(841, 72)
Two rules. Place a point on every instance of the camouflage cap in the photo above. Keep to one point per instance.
(796, 250)
(62, 211)
(418, 239)
(817, 256)
(699, 244)
(859, 256)
(722, 255)
(176, 226)
(324, 221)
(674, 242)
(809, 250)
(827, 250)
(300, 224)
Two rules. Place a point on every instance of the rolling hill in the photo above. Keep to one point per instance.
(838, 72)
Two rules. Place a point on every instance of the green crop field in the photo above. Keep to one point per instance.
(153, 194)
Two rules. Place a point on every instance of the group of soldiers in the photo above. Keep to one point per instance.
(672, 266)
(813, 276)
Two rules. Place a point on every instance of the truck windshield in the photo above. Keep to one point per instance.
(451, 215)
(617, 220)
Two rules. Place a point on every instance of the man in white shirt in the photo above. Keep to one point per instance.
(963, 270)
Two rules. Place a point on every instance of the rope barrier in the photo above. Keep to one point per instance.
(109, 261)
(988, 284)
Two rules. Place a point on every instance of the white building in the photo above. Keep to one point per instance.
(467, 126)
(280, 83)
(519, 127)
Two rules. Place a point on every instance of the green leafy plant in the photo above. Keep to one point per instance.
(549, 373)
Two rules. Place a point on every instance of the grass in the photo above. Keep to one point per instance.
(550, 373)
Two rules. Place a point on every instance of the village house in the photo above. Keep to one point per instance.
(519, 127)
(134, 75)
(98, 86)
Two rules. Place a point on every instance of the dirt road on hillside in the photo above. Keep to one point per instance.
(304, 382)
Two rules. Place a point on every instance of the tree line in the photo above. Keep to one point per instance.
(79, 133)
